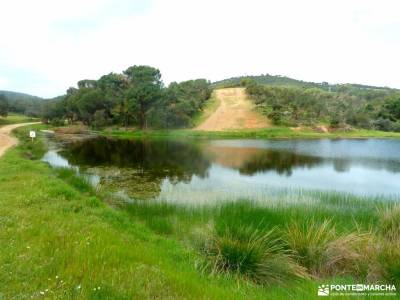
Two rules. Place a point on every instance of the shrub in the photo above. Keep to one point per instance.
(334, 123)
(383, 124)
(396, 126)
(57, 122)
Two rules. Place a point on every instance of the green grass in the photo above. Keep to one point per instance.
(339, 237)
(13, 118)
(63, 242)
(268, 133)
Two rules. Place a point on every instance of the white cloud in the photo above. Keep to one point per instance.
(62, 42)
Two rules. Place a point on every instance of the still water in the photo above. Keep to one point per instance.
(188, 171)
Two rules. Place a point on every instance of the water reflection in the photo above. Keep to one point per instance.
(241, 168)
(250, 161)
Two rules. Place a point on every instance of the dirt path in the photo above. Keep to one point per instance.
(236, 111)
(6, 140)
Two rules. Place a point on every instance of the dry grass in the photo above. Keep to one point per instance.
(350, 254)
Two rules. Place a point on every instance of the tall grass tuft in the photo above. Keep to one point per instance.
(389, 244)
(389, 260)
(390, 222)
(350, 254)
(260, 257)
(309, 241)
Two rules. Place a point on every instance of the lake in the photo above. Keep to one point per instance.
(201, 171)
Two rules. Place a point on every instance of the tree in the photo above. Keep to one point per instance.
(88, 102)
(393, 108)
(145, 88)
(99, 119)
(123, 111)
(3, 106)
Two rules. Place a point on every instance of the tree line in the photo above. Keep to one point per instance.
(347, 106)
(137, 97)
(4, 106)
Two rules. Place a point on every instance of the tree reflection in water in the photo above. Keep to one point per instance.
(139, 167)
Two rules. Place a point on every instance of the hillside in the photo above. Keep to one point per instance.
(12, 96)
(278, 80)
(26, 104)
(235, 111)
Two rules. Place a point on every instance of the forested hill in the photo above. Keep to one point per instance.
(277, 80)
(13, 96)
(22, 103)
(346, 107)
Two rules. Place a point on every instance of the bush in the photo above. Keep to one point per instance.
(396, 126)
(383, 124)
(334, 123)
(57, 122)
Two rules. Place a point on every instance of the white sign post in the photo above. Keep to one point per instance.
(32, 134)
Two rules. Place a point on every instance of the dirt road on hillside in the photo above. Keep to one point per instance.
(6, 140)
(236, 111)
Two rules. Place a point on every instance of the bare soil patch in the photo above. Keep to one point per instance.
(7, 141)
(235, 112)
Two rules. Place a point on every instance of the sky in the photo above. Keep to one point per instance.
(46, 46)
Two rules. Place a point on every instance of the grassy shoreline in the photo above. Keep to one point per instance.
(268, 133)
(66, 242)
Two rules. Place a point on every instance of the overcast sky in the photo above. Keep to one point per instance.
(46, 46)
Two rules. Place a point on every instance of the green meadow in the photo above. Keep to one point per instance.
(14, 118)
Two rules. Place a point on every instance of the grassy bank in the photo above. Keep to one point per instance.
(268, 133)
(338, 237)
(64, 242)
